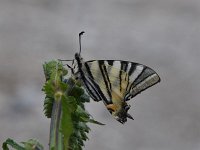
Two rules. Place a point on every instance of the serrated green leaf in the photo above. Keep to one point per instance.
(82, 127)
(80, 142)
(82, 113)
(84, 136)
(5, 146)
(84, 98)
(48, 105)
(13, 144)
(49, 89)
(76, 92)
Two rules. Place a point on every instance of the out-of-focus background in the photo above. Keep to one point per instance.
(164, 35)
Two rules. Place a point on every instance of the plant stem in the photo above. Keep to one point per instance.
(56, 140)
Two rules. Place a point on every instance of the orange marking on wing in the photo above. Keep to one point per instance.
(112, 107)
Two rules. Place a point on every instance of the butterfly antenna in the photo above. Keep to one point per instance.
(80, 34)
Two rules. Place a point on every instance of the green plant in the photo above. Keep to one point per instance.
(64, 104)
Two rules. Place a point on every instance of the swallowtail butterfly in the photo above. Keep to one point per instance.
(113, 81)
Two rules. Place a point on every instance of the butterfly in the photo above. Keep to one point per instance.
(113, 81)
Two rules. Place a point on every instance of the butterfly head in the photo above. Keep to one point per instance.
(77, 56)
(121, 114)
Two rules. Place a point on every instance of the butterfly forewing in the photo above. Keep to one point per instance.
(120, 79)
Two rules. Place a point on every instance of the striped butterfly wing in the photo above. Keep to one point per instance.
(113, 80)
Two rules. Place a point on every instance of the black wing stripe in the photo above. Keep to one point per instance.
(124, 65)
(89, 71)
(131, 70)
(120, 80)
(105, 77)
(92, 90)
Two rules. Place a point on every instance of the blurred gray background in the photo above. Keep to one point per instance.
(162, 34)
